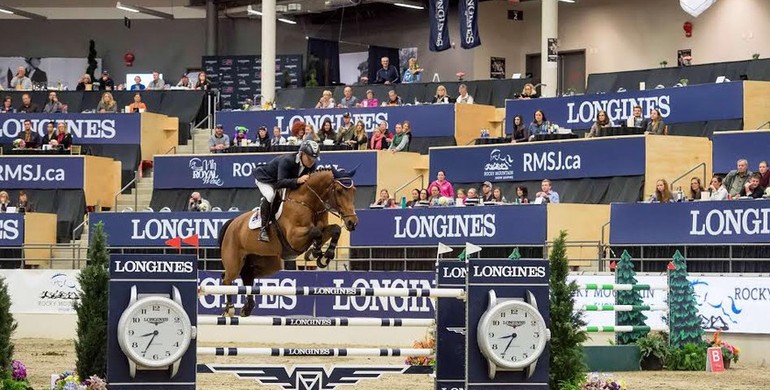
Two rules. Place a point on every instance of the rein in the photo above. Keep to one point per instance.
(334, 210)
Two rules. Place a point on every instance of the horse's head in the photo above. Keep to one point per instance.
(339, 194)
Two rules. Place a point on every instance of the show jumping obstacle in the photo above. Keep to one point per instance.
(316, 321)
(623, 308)
(335, 291)
(315, 352)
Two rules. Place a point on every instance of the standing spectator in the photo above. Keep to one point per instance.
(486, 192)
(400, 141)
(752, 189)
(602, 121)
(737, 178)
(345, 132)
(137, 105)
(444, 186)
(106, 81)
(24, 204)
(184, 82)
(197, 203)
(27, 106)
(384, 200)
(539, 124)
(138, 86)
(20, 80)
(31, 138)
(203, 83)
(219, 142)
(413, 72)
(5, 201)
(157, 83)
(393, 99)
(662, 192)
(464, 97)
(107, 104)
(7, 107)
(637, 120)
(380, 139)
(696, 188)
(765, 182)
(277, 138)
(326, 101)
(50, 134)
(85, 80)
(348, 101)
(546, 193)
(360, 140)
(528, 92)
(441, 96)
(497, 196)
(656, 125)
(53, 105)
(327, 131)
(520, 130)
(387, 74)
(522, 195)
(717, 189)
(263, 138)
(415, 198)
(370, 100)
(63, 136)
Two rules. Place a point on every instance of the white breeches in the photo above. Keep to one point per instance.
(267, 191)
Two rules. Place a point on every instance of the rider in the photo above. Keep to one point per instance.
(286, 171)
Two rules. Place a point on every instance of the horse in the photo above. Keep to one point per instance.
(304, 221)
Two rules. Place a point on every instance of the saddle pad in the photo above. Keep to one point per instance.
(255, 222)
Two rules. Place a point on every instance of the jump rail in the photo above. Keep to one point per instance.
(316, 321)
(317, 352)
(621, 287)
(624, 308)
(624, 329)
(338, 291)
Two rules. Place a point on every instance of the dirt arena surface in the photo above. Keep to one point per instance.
(44, 357)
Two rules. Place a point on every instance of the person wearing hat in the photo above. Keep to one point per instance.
(290, 171)
(107, 83)
(370, 100)
(263, 138)
(486, 192)
(345, 132)
(348, 101)
(219, 141)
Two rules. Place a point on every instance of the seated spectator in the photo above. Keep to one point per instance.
(662, 192)
(717, 189)
(656, 125)
(547, 194)
(464, 97)
(30, 137)
(5, 201)
(441, 96)
(84, 81)
(696, 189)
(197, 203)
(50, 133)
(7, 107)
(522, 195)
(384, 200)
(107, 83)
(360, 141)
(415, 197)
(263, 139)
(407, 126)
(528, 92)
(20, 80)
(412, 73)
(27, 106)
(311, 133)
(53, 105)
(765, 182)
(298, 130)
(400, 141)
(137, 105)
(380, 137)
(348, 101)
(370, 100)
(388, 74)
(444, 186)
(25, 206)
(752, 189)
(107, 104)
(424, 198)
(520, 130)
(184, 82)
(219, 142)
(460, 201)
(539, 125)
(63, 136)
(327, 131)
(393, 99)
(497, 196)
(472, 199)
(203, 83)
(637, 120)
(138, 86)
(737, 178)
(277, 138)
(435, 195)
(486, 191)
(345, 132)
(602, 121)
(157, 83)
(326, 101)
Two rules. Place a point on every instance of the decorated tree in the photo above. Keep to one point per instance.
(684, 322)
(567, 365)
(7, 327)
(625, 274)
(515, 255)
(91, 343)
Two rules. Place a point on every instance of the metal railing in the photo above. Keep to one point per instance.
(420, 176)
(136, 192)
(703, 164)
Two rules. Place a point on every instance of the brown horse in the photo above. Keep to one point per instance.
(304, 221)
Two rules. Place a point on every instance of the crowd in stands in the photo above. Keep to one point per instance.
(57, 136)
(22, 205)
(740, 183)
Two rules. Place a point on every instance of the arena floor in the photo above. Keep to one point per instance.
(44, 357)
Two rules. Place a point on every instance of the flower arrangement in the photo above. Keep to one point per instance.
(16, 379)
(460, 76)
(729, 352)
(429, 342)
(19, 144)
(70, 380)
(603, 382)
(18, 371)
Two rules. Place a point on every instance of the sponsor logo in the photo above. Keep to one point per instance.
(80, 128)
(749, 221)
(440, 16)
(508, 271)
(9, 229)
(176, 267)
(500, 166)
(214, 303)
(457, 329)
(470, 13)
(306, 377)
(156, 321)
(205, 170)
(550, 162)
(30, 172)
(383, 304)
(371, 120)
(617, 109)
(445, 226)
(164, 229)
(61, 292)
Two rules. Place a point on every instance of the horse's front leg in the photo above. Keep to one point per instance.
(331, 233)
(315, 237)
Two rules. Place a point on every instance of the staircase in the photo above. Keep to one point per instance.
(199, 143)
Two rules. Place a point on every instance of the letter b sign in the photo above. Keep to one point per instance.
(714, 362)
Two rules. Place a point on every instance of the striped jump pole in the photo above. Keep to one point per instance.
(620, 287)
(313, 321)
(624, 308)
(623, 329)
(316, 352)
(335, 291)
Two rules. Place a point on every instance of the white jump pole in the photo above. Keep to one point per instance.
(317, 352)
(335, 291)
(313, 321)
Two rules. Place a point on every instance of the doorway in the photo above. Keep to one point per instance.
(571, 70)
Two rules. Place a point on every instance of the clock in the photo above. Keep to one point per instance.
(512, 334)
(154, 332)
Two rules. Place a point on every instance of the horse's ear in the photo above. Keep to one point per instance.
(352, 172)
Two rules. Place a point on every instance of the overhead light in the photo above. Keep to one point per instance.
(137, 9)
(567, 1)
(281, 8)
(251, 11)
(15, 11)
(5, 11)
(407, 5)
(287, 21)
(295, 7)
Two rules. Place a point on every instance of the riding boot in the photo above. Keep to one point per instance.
(265, 210)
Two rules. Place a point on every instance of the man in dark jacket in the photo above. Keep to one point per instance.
(286, 171)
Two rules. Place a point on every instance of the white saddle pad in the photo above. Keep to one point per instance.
(255, 222)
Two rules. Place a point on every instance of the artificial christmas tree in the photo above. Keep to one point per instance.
(7, 327)
(625, 274)
(684, 322)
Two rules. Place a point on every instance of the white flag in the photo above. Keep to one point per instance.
(443, 249)
(471, 249)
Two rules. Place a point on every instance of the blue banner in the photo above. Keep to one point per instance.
(489, 225)
(436, 120)
(42, 172)
(237, 170)
(703, 102)
(541, 160)
(86, 129)
(729, 147)
(11, 229)
(153, 229)
(725, 222)
(469, 23)
(439, 31)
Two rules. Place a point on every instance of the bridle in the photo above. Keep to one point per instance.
(327, 207)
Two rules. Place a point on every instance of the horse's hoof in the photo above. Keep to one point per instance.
(247, 308)
(321, 263)
(329, 255)
(229, 311)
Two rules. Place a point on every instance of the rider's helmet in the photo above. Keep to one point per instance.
(310, 148)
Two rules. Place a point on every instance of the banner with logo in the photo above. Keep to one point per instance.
(718, 222)
(437, 120)
(498, 225)
(237, 170)
(729, 147)
(42, 291)
(696, 103)
(42, 172)
(11, 229)
(88, 129)
(439, 31)
(469, 24)
(153, 229)
(537, 160)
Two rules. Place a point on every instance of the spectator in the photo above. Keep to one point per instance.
(400, 141)
(157, 83)
(522, 195)
(717, 190)
(460, 201)
(752, 189)
(602, 121)
(528, 92)
(137, 105)
(138, 86)
(24, 204)
(5, 201)
(50, 133)
(27, 106)
(7, 107)
(662, 192)
(539, 125)
(184, 82)
(393, 99)
(380, 139)
(424, 197)
(737, 178)
(360, 140)
(656, 125)
(546, 193)
(370, 100)
(310, 133)
(326, 101)
(348, 101)
(53, 105)
(520, 130)
(63, 136)
(106, 81)
(20, 80)
(203, 83)
(107, 104)
(387, 74)
(486, 192)
(464, 97)
(472, 197)
(298, 130)
(497, 196)
(413, 72)
(444, 186)
(696, 188)
(327, 131)
(384, 200)
(765, 174)
(31, 138)
(435, 195)
(637, 120)
(277, 138)
(263, 138)
(84, 81)
(441, 96)
(345, 133)
(219, 142)
(415, 198)
(197, 203)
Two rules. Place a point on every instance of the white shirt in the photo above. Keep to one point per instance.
(720, 194)
(467, 99)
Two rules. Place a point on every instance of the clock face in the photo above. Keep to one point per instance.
(154, 332)
(512, 334)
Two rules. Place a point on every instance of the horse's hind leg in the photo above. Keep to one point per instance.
(247, 275)
(233, 267)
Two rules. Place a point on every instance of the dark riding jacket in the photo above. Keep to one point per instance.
(283, 171)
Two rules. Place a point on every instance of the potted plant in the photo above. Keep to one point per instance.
(755, 56)
(654, 349)
(663, 63)
(730, 353)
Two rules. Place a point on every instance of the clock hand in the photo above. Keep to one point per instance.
(148, 334)
(513, 336)
(155, 333)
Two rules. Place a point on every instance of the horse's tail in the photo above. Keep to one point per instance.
(222, 231)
